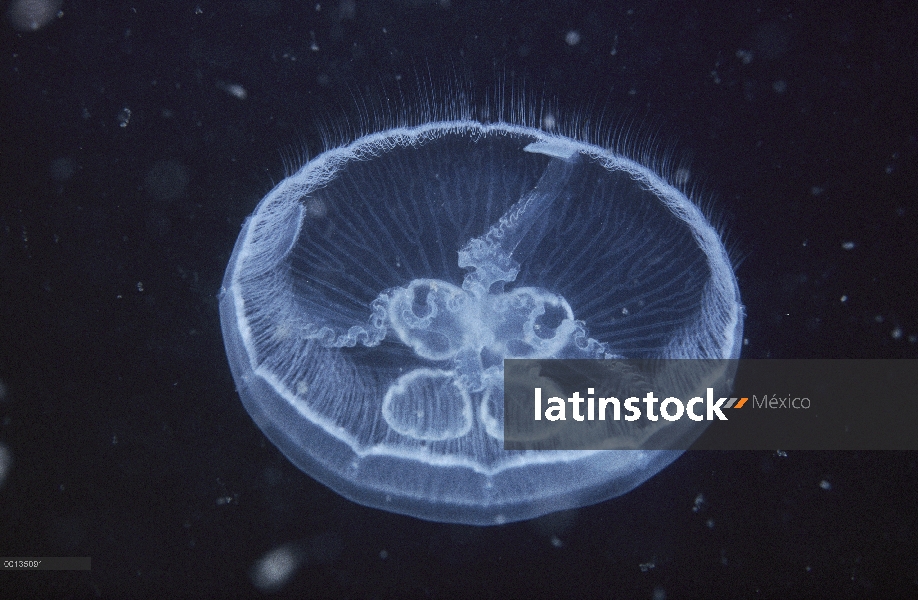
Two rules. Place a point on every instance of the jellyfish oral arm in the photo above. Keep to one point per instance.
(496, 256)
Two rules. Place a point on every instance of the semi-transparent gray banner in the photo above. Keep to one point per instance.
(743, 404)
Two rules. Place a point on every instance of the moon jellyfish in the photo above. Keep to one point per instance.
(372, 297)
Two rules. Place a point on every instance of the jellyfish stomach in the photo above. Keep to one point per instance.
(474, 334)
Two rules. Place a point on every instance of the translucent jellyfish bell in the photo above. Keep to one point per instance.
(372, 297)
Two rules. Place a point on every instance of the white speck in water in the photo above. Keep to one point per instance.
(699, 501)
(124, 117)
(273, 570)
(32, 15)
(572, 37)
(234, 89)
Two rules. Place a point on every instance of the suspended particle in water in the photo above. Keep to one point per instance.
(32, 15)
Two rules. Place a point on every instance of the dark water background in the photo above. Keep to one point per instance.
(129, 159)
